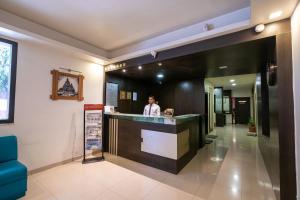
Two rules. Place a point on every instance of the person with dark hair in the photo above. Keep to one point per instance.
(152, 109)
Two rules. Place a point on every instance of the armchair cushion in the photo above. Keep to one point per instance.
(12, 171)
(9, 148)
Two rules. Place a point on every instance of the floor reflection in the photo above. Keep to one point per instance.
(229, 168)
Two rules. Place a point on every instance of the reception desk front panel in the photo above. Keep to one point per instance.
(165, 143)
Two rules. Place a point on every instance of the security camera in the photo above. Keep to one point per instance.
(208, 27)
(154, 54)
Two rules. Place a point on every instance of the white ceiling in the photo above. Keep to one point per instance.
(111, 24)
(242, 81)
(116, 30)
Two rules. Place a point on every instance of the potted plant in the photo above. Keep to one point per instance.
(251, 125)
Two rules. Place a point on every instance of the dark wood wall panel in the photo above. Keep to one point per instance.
(286, 117)
(276, 122)
(272, 29)
(268, 133)
(129, 106)
(186, 97)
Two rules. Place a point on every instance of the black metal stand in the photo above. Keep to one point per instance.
(95, 159)
(92, 160)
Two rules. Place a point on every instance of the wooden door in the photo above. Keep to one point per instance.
(242, 110)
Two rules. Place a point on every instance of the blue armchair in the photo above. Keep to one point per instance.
(13, 174)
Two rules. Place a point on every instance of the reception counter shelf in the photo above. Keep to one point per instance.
(155, 119)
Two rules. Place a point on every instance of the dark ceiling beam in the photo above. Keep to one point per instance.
(272, 29)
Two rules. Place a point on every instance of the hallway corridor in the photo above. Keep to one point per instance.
(230, 168)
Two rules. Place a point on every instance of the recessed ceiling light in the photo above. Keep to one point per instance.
(140, 67)
(159, 64)
(275, 15)
(222, 67)
(232, 80)
(160, 75)
(233, 84)
(124, 70)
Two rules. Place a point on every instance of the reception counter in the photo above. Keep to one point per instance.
(161, 142)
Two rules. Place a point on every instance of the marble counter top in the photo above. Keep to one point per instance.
(155, 119)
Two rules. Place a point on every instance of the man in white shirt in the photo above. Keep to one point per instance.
(152, 109)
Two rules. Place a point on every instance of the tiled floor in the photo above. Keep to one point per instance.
(229, 168)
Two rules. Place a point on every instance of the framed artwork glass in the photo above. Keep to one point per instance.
(66, 86)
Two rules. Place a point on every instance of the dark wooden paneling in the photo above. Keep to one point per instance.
(186, 97)
(268, 133)
(247, 35)
(286, 117)
(243, 58)
(129, 143)
(142, 89)
(276, 122)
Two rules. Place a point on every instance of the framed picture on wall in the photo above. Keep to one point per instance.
(129, 95)
(122, 94)
(134, 96)
(66, 86)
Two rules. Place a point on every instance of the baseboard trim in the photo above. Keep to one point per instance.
(34, 171)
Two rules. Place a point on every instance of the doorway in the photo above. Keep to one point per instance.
(242, 110)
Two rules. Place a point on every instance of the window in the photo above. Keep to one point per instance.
(8, 66)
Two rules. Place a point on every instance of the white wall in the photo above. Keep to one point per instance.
(296, 74)
(49, 131)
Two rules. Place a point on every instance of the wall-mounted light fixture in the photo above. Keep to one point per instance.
(259, 28)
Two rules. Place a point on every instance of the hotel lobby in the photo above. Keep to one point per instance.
(154, 100)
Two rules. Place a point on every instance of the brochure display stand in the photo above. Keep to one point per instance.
(92, 134)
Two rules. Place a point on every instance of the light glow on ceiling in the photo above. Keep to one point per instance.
(275, 15)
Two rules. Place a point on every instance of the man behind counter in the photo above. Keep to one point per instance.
(152, 109)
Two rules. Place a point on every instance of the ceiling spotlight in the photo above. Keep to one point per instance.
(232, 80)
(259, 28)
(160, 75)
(140, 67)
(159, 64)
(124, 70)
(233, 84)
(223, 67)
(275, 15)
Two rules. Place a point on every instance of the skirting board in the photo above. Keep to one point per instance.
(34, 171)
